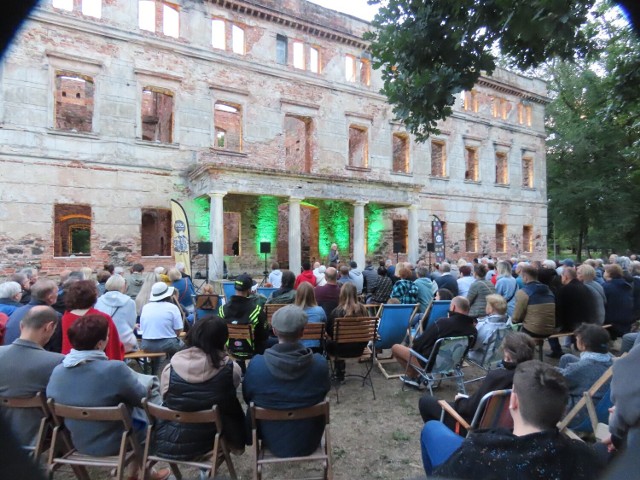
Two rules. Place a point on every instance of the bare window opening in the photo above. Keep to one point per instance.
(470, 100)
(358, 147)
(314, 60)
(527, 238)
(157, 115)
(92, 8)
(72, 230)
(147, 15)
(297, 143)
(231, 233)
(500, 108)
(501, 237)
(438, 159)
(228, 126)
(502, 169)
(74, 102)
(170, 20)
(155, 232)
(527, 172)
(298, 55)
(471, 237)
(63, 4)
(527, 115)
(282, 50)
(365, 72)
(471, 158)
(400, 235)
(350, 68)
(218, 34)
(237, 40)
(400, 153)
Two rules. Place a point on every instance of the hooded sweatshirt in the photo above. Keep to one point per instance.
(305, 276)
(358, 279)
(134, 284)
(288, 376)
(275, 278)
(122, 310)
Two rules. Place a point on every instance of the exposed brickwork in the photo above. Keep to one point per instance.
(157, 115)
(400, 146)
(74, 102)
(358, 147)
(155, 232)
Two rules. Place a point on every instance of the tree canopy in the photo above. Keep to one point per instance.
(429, 50)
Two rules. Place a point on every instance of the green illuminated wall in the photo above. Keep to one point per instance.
(333, 225)
(375, 227)
(266, 221)
(200, 224)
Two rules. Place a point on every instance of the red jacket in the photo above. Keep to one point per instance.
(305, 276)
(114, 349)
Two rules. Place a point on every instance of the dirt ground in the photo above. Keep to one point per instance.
(377, 439)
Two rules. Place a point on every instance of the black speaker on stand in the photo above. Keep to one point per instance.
(397, 249)
(265, 248)
(206, 249)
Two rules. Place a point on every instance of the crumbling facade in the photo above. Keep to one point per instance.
(263, 118)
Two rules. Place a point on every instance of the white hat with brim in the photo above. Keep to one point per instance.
(159, 291)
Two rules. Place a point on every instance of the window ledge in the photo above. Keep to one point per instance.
(474, 182)
(156, 256)
(149, 143)
(437, 177)
(74, 257)
(229, 153)
(403, 174)
(358, 169)
(69, 133)
(531, 189)
(502, 185)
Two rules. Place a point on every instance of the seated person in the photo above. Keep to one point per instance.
(87, 378)
(535, 449)
(288, 376)
(458, 323)
(25, 368)
(198, 377)
(122, 310)
(286, 294)
(243, 309)
(516, 348)
(496, 319)
(583, 371)
(184, 288)
(306, 299)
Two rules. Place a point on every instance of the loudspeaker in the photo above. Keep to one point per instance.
(431, 247)
(265, 247)
(205, 248)
(398, 247)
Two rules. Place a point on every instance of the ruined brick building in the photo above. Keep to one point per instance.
(263, 118)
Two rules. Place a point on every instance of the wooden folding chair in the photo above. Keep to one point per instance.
(314, 331)
(37, 402)
(492, 412)
(271, 308)
(354, 330)
(262, 456)
(218, 455)
(393, 328)
(444, 362)
(208, 302)
(130, 449)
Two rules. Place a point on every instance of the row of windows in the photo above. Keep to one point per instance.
(163, 17)
(471, 238)
(472, 167)
(500, 107)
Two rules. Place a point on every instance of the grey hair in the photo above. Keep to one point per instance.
(624, 262)
(445, 267)
(504, 268)
(115, 283)
(549, 264)
(180, 266)
(422, 272)
(29, 272)
(10, 289)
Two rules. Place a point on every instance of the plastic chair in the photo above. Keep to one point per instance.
(218, 455)
(393, 328)
(262, 456)
(444, 362)
(492, 412)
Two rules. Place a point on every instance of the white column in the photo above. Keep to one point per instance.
(216, 234)
(295, 238)
(413, 234)
(359, 233)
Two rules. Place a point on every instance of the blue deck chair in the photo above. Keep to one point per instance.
(438, 309)
(444, 363)
(393, 328)
(229, 289)
(266, 291)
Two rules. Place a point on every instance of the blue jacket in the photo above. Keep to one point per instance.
(8, 306)
(185, 291)
(287, 376)
(619, 308)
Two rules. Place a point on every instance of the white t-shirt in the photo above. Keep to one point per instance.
(160, 320)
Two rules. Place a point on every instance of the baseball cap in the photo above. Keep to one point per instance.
(243, 282)
(289, 319)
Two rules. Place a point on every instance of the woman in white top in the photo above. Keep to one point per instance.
(161, 323)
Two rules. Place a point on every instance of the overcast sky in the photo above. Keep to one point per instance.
(357, 8)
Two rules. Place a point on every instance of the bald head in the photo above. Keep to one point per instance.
(460, 305)
(38, 316)
(331, 275)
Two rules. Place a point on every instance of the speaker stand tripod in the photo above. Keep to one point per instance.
(265, 273)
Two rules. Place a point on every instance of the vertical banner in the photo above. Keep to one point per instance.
(438, 239)
(180, 236)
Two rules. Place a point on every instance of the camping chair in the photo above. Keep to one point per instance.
(271, 308)
(492, 412)
(208, 302)
(37, 402)
(437, 309)
(393, 328)
(354, 330)
(266, 291)
(314, 331)
(229, 289)
(130, 449)
(262, 456)
(444, 363)
(492, 354)
(210, 462)
(598, 414)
